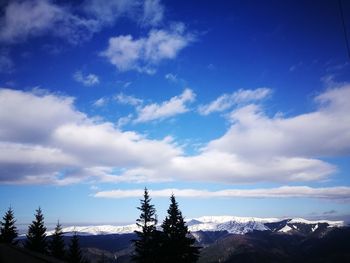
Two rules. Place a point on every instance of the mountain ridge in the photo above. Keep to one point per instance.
(231, 224)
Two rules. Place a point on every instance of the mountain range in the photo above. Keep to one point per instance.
(230, 224)
(229, 239)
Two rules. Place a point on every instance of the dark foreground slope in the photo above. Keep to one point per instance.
(270, 247)
(326, 245)
(14, 254)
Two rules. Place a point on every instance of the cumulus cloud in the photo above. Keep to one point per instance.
(47, 140)
(321, 133)
(143, 54)
(176, 105)
(226, 101)
(86, 80)
(329, 193)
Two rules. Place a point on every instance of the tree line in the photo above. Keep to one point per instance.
(36, 239)
(173, 243)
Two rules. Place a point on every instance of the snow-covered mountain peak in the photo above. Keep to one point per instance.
(98, 230)
(231, 224)
(224, 219)
(329, 222)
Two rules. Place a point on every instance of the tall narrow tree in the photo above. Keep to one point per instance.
(147, 242)
(178, 245)
(8, 230)
(74, 251)
(36, 237)
(56, 245)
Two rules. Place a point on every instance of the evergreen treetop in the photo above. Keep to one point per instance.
(8, 230)
(36, 236)
(74, 251)
(178, 245)
(148, 219)
(56, 245)
(148, 242)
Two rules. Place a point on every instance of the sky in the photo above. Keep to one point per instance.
(236, 107)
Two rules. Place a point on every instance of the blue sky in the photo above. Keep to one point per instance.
(237, 107)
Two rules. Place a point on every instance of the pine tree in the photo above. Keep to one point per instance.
(148, 238)
(56, 244)
(36, 237)
(178, 246)
(74, 252)
(8, 230)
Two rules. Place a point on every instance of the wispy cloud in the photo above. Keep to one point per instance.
(143, 54)
(176, 105)
(6, 63)
(341, 193)
(24, 19)
(100, 102)
(128, 99)
(227, 101)
(171, 77)
(86, 80)
(153, 12)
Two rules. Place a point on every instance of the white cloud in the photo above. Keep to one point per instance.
(100, 102)
(47, 140)
(86, 80)
(176, 105)
(226, 101)
(124, 120)
(108, 11)
(33, 116)
(128, 100)
(24, 19)
(145, 12)
(143, 54)
(171, 77)
(153, 12)
(340, 193)
(219, 166)
(322, 133)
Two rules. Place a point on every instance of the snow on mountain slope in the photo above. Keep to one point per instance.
(97, 230)
(231, 224)
(224, 219)
(304, 221)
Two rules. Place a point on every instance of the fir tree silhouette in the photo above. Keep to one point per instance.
(178, 246)
(8, 230)
(74, 251)
(36, 237)
(146, 246)
(56, 245)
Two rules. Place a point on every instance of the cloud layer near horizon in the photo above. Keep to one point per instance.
(330, 193)
(44, 139)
